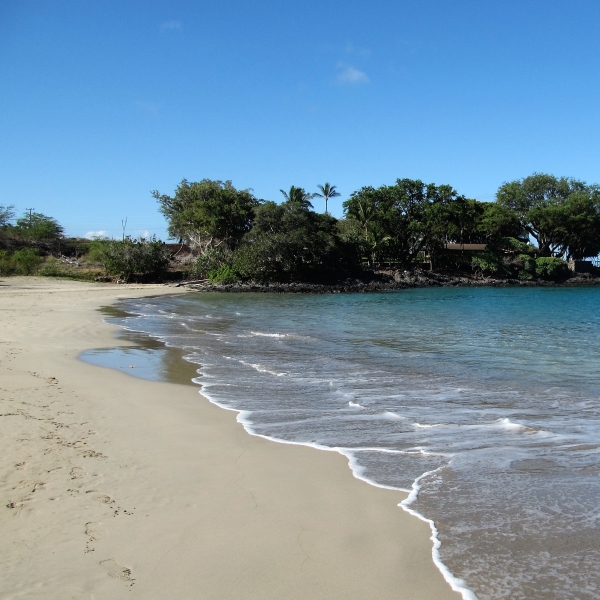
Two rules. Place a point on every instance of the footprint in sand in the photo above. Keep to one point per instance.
(94, 531)
(117, 571)
(77, 472)
(101, 497)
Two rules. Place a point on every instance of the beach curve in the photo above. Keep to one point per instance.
(117, 487)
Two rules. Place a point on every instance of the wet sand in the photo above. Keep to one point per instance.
(117, 487)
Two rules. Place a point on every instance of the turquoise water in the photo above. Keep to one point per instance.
(487, 398)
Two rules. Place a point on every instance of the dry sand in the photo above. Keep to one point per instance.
(113, 487)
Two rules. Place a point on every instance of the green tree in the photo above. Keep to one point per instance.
(7, 213)
(290, 242)
(581, 223)
(208, 214)
(561, 214)
(327, 192)
(403, 220)
(299, 196)
(37, 227)
(497, 222)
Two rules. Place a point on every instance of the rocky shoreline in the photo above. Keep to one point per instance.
(385, 281)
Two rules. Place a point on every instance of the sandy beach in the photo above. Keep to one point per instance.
(114, 487)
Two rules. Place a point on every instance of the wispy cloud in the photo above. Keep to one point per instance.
(170, 25)
(350, 75)
(92, 235)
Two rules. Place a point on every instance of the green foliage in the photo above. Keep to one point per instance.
(561, 214)
(239, 237)
(37, 227)
(19, 262)
(224, 274)
(488, 263)
(525, 265)
(401, 221)
(298, 196)
(328, 191)
(551, 268)
(289, 241)
(130, 259)
(580, 226)
(497, 222)
(514, 246)
(96, 250)
(7, 213)
(208, 214)
(210, 262)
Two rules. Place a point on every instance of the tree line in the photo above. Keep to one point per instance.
(534, 225)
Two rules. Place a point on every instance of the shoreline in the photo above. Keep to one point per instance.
(386, 282)
(122, 487)
(144, 342)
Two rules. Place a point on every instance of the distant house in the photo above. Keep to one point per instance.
(427, 264)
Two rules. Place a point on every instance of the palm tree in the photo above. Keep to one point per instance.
(327, 192)
(298, 195)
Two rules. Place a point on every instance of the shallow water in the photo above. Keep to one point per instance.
(493, 392)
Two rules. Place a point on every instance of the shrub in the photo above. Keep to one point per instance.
(526, 266)
(210, 262)
(19, 262)
(132, 259)
(487, 264)
(551, 268)
(96, 249)
(258, 261)
(224, 274)
(6, 264)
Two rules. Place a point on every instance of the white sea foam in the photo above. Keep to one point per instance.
(380, 416)
(271, 335)
(457, 584)
(262, 368)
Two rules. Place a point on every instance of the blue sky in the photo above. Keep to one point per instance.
(102, 102)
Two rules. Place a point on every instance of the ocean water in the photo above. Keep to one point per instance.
(483, 403)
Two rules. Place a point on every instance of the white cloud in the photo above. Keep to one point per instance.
(349, 74)
(92, 235)
(170, 25)
(143, 234)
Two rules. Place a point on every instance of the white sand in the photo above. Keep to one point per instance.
(113, 487)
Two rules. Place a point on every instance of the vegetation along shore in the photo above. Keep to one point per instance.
(540, 230)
